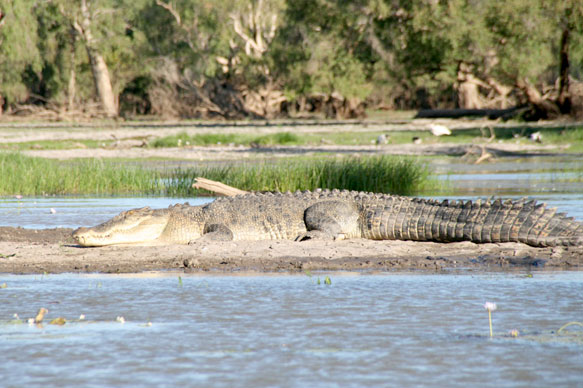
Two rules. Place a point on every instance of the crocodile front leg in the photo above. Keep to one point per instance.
(215, 232)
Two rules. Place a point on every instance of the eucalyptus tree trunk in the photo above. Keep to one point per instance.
(72, 85)
(98, 65)
(564, 99)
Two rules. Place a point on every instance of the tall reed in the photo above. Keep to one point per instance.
(20, 174)
(378, 174)
(24, 175)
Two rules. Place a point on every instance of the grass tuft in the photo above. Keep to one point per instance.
(37, 176)
(382, 174)
(25, 175)
(183, 139)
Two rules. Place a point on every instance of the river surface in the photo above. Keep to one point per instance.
(393, 329)
(559, 183)
(289, 331)
(72, 212)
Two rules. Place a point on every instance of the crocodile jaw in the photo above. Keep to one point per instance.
(137, 226)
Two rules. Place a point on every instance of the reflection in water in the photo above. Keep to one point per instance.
(389, 330)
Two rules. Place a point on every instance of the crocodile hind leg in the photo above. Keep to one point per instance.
(331, 220)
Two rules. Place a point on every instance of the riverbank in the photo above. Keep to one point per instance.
(53, 251)
(261, 139)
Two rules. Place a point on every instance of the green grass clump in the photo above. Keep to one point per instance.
(54, 144)
(183, 139)
(281, 138)
(378, 174)
(37, 176)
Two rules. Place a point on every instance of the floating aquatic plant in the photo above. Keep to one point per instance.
(327, 281)
(58, 321)
(490, 307)
(569, 324)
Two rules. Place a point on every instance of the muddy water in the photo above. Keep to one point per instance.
(221, 331)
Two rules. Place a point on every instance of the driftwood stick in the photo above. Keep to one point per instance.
(216, 187)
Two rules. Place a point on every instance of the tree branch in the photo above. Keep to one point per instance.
(217, 187)
(168, 7)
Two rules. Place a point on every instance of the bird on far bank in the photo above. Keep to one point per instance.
(439, 130)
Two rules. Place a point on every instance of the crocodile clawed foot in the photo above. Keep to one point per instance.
(317, 235)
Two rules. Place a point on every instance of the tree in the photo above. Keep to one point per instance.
(319, 54)
(101, 29)
(18, 52)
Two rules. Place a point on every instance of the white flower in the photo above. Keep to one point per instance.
(490, 306)
(120, 319)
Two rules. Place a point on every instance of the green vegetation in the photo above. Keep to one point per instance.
(183, 139)
(378, 174)
(557, 135)
(235, 58)
(35, 176)
(55, 144)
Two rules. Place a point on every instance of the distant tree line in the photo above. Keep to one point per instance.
(273, 58)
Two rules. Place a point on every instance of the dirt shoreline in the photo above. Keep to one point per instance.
(130, 140)
(30, 251)
(53, 251)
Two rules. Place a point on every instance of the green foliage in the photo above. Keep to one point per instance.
(325, 55)
(281, 138)
(18, 52)
(401, 53)
(377, 174)
(36, 176)
(183, 139)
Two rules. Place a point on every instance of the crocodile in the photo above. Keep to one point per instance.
(336, 215)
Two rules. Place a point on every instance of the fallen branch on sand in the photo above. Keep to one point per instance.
(216, 187)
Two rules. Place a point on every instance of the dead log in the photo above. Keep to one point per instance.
(542, 108)
(217, 187)
(459, 113)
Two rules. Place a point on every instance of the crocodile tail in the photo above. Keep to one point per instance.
(509, 221)
(403, 218)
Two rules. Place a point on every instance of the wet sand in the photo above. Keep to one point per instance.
(53, 251)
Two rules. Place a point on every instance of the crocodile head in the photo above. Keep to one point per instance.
(136, 226)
